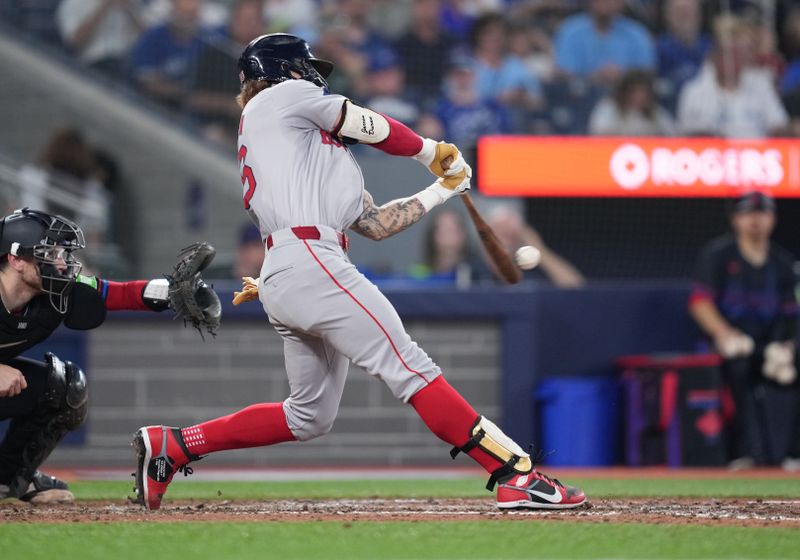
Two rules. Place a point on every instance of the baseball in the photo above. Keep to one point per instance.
(527, 257)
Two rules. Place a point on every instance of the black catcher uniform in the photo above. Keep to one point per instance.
(55, 400)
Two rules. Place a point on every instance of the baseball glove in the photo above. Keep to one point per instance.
(189, 296)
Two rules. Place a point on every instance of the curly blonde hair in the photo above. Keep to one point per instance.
(249, 90)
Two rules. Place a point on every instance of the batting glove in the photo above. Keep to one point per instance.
(434, 153)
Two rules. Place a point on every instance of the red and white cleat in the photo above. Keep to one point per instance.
(160, 453)
(537, 491)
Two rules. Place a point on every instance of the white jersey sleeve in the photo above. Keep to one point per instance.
(305, 105)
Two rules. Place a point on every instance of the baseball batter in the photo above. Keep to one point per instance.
(304, 189)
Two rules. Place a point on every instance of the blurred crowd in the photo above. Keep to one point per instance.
(458, 69)
(452, 69)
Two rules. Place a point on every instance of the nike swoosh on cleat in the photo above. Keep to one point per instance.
(553, 497)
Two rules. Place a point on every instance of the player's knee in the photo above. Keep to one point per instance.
(319, 428)
(308, 423)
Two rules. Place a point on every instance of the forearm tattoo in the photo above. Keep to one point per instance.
(380, 222)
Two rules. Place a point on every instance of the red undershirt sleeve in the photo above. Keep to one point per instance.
(402, 141)
(123, 296)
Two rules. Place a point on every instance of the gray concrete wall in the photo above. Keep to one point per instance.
(154, 371)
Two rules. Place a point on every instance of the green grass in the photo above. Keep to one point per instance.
(594, 488)
(386, 541)
(495, 538)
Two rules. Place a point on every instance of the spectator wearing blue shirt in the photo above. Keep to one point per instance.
(501, 76)
(385, 87)
(347, 39)
(601, 43)
(464, 115)
(682, 48)
(163, 58)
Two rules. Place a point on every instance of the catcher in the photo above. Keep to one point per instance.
(41, 288)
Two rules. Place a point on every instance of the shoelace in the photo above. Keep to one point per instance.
(186, 470)
(538, 457)
(553, 481)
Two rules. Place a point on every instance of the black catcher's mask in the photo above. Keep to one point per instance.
(50, 241)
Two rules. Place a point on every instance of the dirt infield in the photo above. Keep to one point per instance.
(741, 512)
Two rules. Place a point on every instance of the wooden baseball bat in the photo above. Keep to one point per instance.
(502, 261)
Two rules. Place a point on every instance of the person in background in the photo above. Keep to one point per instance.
(464, 115)
(447, 256)
(500, 76)
(385, 89)
(765, 38)
(743, 299)
(790, 82)
(67, 163)
(730, 97)
(163, 58)
(249, 252)
(101, 32)
(458, 16)
(681, 48)
(212, 95)
(632, 110)
(424, 73)
(533, 47)
(510, 227)
(347, 39)
(292, 16)
(600, 44)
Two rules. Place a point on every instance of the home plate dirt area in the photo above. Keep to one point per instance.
(740, 512)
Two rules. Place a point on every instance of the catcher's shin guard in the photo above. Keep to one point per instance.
(490, 439)
(62, 409)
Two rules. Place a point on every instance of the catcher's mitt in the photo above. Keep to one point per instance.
(191, 298)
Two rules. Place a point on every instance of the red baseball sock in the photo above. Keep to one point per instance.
(254, 426)
(450, 418)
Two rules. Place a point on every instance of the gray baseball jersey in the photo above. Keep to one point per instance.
(295, 174)
(299, 173)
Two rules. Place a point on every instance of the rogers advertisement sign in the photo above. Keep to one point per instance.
(641, 167)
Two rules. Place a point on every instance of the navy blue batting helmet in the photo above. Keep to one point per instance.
(273, 57)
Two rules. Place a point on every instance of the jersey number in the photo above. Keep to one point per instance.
(248, 179)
